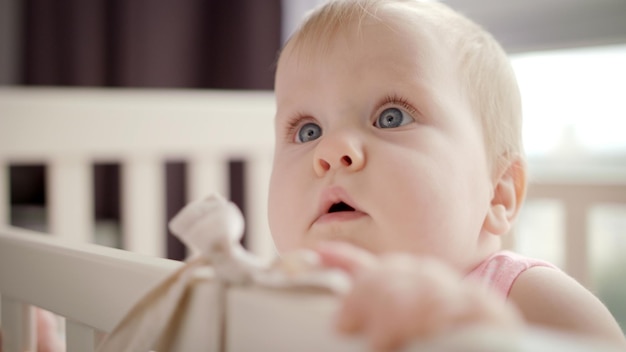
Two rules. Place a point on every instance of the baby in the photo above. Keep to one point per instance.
(399, 159)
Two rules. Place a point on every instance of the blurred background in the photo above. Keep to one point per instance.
(570, 57)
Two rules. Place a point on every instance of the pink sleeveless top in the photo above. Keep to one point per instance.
(500, 270)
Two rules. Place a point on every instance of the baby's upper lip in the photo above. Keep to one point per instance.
(333, 195)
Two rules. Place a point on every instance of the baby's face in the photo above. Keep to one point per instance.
(376, 146)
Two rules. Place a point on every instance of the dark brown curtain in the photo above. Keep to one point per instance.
(230, 44)
(221, 44)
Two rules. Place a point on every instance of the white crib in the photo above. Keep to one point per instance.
(70, 129)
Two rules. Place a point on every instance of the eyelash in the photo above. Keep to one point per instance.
(397, 100)
(294, 123)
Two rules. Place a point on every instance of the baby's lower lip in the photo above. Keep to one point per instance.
(340, 216)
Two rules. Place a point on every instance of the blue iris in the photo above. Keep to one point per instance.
(309, 132)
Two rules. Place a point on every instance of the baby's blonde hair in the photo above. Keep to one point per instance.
(486, 74)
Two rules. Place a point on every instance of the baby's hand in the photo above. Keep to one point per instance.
(400, 297)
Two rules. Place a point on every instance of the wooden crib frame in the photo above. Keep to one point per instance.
(69, 129)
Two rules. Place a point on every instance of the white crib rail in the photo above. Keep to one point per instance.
(95, 286)
(92, 286)
(70, 129)
(578, 182)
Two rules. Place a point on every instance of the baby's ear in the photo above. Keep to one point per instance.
(508, 196)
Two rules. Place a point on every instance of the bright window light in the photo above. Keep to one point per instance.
(573, 99)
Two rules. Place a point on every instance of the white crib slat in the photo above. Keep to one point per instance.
(143, 212)
(70, 199)
(207, 173)
(257, 185)
(4, 192)
(576, 241)
(18, 325)
(79, 337)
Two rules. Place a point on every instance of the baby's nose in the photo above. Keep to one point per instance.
(340, 151)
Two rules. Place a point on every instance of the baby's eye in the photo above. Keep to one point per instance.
(392, 118)
(308, 132)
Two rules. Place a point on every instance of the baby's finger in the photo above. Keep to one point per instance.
(345, 256)
(47, 337)
(387, 340)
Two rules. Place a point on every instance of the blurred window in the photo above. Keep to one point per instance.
(573, 99)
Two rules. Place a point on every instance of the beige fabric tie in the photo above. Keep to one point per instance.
(211, 229)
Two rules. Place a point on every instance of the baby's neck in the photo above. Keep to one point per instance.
(487, 246)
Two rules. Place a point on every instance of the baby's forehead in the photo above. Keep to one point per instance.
(324, 30)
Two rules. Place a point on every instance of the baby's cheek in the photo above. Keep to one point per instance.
(287, 215)
(278, 217)
(282, 230)
(286, 244)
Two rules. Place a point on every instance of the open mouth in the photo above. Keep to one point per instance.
(339, 207)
